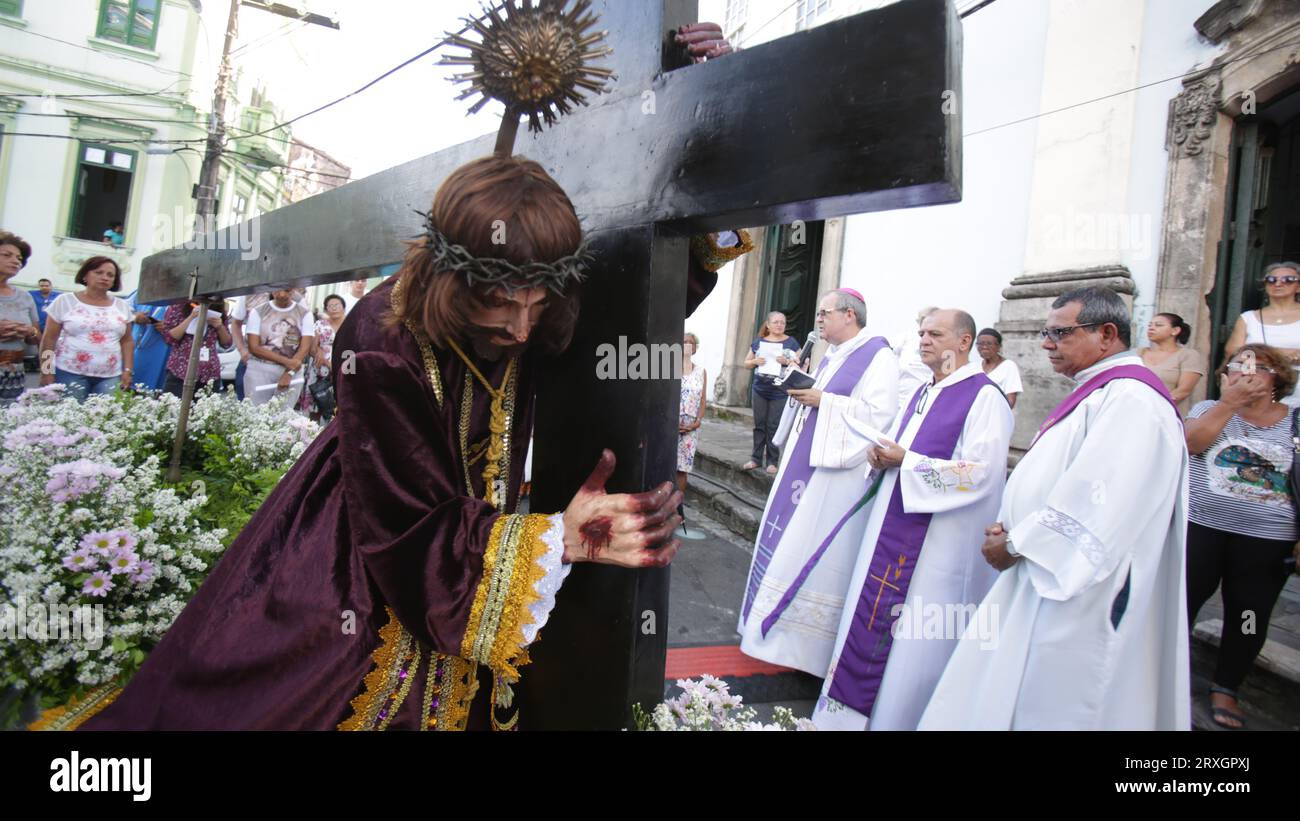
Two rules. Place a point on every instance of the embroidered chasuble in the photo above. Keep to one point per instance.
(386, 582)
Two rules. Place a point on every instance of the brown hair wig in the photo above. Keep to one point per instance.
(541, 225)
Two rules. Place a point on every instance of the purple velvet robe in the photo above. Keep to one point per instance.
(374, 515)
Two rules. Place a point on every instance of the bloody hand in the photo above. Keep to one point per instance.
(620, 528)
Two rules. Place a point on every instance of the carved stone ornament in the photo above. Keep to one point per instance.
(1227, 16)
(1193, 113)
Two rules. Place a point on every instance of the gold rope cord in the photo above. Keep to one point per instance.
(398, 303)
(496, 470)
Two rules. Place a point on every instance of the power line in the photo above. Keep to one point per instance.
(271, 37)
(105, 53)
(157, 93)
(444, 41)
(974, 7)
(770, 20)
(1131, 90)
(263, 162)
(241, 133)
(195, 123)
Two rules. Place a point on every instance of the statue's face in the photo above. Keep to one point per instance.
(509, 318)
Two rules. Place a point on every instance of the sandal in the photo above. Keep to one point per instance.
(1222, 715)
(750, 465)
(771, 470)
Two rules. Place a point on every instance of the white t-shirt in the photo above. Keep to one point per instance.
(90, 343)
(1007, 377)
(1279, 336)
(244, 303)
(276, 338)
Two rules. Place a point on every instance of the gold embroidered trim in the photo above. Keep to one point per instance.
(432, 688)
(400, 697)
(459, 685)
(77, 711)
(398, 305)
(494, 633)
(383, 679)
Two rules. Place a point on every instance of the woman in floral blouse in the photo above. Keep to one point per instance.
(178, 326)
(335, 310)
(89, 333)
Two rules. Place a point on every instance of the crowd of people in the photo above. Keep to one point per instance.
(94, 342)
(1088, 558)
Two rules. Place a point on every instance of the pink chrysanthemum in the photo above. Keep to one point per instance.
(82, 559)
(123, 560)
(98, 584)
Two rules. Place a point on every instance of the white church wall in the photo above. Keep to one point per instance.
(709, 323)
(1170, 48)
(962, 255)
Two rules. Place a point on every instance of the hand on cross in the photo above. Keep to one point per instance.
(620, 528)
(704, 41)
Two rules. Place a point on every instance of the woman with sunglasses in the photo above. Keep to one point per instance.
(1241, 511)
(1277, 324)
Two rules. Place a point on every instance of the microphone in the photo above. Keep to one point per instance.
(804, 353)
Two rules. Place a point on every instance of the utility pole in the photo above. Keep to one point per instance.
(205, 210)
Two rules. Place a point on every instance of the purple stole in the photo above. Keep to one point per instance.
(1141, 373)
(862, 660)
(798, 467)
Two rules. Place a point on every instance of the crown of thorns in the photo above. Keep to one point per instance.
(493, 271)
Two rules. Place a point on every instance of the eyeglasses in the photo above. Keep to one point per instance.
(1290, 279)
(1055, 334)
(1248, 368)
(822, 314)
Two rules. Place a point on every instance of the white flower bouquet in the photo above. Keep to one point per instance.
(707, 704)
(98, 554)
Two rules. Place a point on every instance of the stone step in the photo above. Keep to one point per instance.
(739, 510)
(723, 468)
(1270, 696)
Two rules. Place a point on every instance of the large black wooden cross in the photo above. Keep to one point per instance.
(856, 115)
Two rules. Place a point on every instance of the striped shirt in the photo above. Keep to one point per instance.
(1239, 483)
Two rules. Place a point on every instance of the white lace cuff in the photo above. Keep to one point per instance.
(547, 586)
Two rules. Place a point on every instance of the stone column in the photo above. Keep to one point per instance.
(1199, 144)
(731, 386)
(1024, 308)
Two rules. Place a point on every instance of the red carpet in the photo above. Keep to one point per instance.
(722, 660)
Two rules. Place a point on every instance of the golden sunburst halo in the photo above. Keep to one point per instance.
(535, 57)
